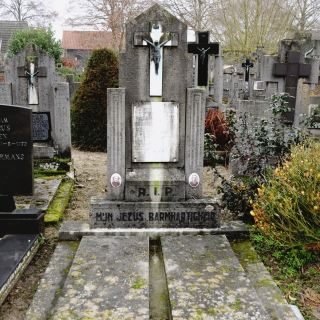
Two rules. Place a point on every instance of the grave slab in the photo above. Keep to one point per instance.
(52, 282)
(205, 278)
(44, 191)
(16, 251)
(108, 280)
(261, 280)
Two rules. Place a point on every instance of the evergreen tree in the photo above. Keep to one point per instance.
(89, 110)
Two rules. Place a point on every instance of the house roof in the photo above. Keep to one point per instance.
(6, 30)
(84, 40)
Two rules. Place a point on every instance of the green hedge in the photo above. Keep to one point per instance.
(89, 109)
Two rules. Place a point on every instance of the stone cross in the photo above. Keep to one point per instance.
(203, 48)
(156, 39)
(247, 65)
(292, 70)
(30, 70)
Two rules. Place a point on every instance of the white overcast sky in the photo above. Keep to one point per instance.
(61, 6)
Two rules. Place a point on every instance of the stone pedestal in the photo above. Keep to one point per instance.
(21, 222)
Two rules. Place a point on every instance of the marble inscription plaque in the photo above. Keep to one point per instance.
(155, 132)
(41, 126)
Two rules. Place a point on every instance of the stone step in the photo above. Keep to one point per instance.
(185, 277)
(16, 251)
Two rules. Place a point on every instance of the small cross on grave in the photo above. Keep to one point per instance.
(30, 70)
(247, 65)
(156, 39)
(203, 48)
(292, 70)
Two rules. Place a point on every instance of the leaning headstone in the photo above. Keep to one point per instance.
(31, 81)
(155, 133)
(16, 171)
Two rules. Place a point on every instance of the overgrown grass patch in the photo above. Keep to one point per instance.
(296, 272)
(60, 201)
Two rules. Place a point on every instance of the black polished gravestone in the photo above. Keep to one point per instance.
(16, 170)
(203, 48)
(292, 70)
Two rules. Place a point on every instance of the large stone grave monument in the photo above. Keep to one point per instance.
(16, 171)
(31, 81)
(155, 133)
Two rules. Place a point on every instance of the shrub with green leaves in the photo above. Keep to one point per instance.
(43, 37)
(287, 205)
(89, 110)
(258, 146)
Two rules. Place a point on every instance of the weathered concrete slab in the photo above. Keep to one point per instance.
(16, 251)
(75, 230)
(261, 280)
(108, 280)
(206, 280)
(44, 191)
(52, 282)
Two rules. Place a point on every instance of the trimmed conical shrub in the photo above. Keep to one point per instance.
(89, 107)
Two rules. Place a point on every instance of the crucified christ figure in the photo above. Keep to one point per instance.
(203, 54)
(156, 57)
(31, 73)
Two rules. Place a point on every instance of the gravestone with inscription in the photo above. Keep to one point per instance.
(16, 170)
(155, 133)
(31, 81)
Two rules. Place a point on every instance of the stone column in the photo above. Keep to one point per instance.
(195, 114)
(61, 123)
(116, 143)
(218, 79)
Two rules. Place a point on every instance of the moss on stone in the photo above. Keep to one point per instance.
(59, 203)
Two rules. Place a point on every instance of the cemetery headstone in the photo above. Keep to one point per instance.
(155, 133)
(16, 170)
(202, 49)
(31, 81)
(292, 70)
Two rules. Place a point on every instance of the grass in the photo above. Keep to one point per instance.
(295, 271)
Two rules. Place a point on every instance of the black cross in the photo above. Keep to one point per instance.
(203, 48)
(292, 70)
(247, 65)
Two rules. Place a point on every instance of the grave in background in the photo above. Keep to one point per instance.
(16, 171)
(155, 133)
(31, 81)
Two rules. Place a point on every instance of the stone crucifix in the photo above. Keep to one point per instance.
(203, 48)
(292, 70)
(29, 71)
(157, 40)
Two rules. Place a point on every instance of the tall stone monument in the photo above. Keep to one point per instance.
(155, 133)
(31, 81)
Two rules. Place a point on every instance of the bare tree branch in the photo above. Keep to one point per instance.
(33, 11)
